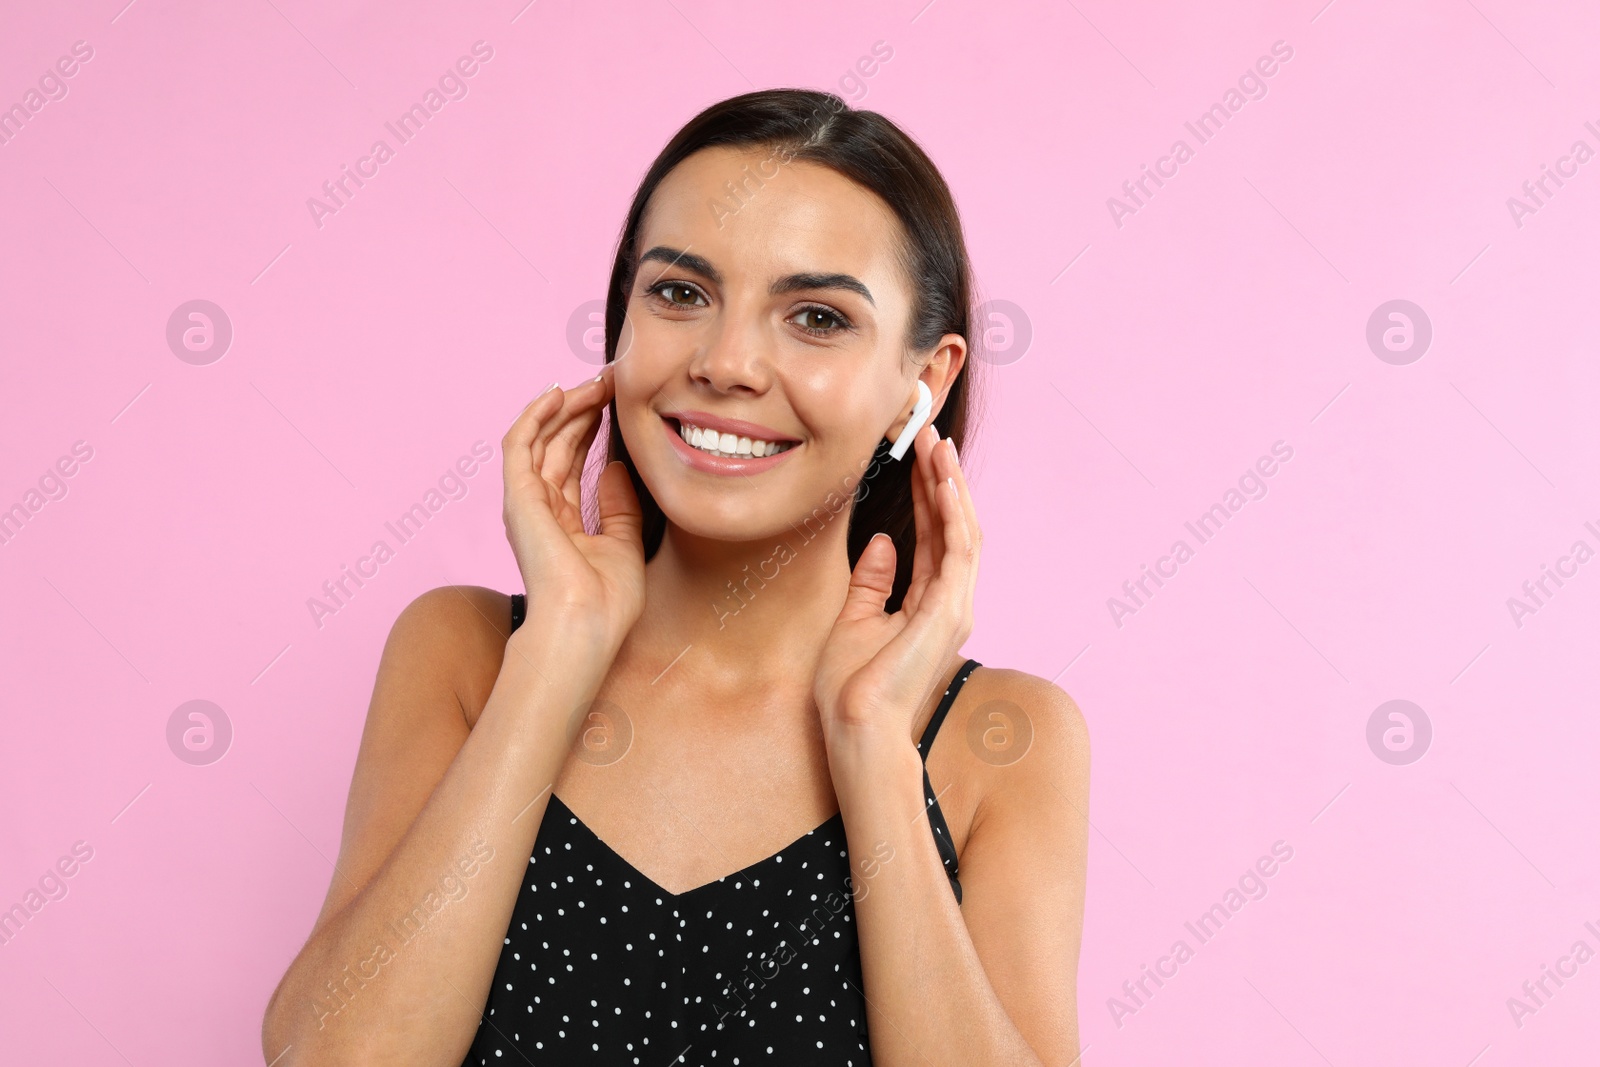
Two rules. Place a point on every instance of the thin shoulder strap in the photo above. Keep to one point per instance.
(519, 609)
(943, 709)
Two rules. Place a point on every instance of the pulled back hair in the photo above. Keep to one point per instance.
(820, 128)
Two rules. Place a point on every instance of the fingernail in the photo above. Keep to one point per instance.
(952, 443)
(546, 389)
(953, 488)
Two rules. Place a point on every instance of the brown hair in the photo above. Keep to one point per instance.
(870, 150)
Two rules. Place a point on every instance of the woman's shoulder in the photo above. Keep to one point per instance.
(1029, 730)
(462, 630)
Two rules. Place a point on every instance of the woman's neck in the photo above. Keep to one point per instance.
(757, 611)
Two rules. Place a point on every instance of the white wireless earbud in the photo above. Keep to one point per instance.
(920, 410)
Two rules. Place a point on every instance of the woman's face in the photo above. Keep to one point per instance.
(777, 316)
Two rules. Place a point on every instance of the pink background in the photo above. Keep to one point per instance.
(1227, 313)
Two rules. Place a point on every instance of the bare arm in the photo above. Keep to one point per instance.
(994, 979)
(437, 828)
(440, 820)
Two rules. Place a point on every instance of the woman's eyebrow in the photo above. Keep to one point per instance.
(793, 282)
(789, 283)
(671, 257)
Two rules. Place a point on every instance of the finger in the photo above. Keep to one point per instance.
(574, 402)
(927, 444)
(930, 539)
(969, 511)
(871, 580)
(958, 568)
(528, 515)
(621, 517)
(922, 560)
(516, 445)
(525, 425)
(943, 617)
(568, 446)
(572, 488)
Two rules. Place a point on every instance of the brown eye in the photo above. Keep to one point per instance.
(678, 294)
(817, 320)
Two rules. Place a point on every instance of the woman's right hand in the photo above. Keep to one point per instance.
(588, 579)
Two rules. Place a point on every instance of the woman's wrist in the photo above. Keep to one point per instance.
(567, 656)
(568, 634)
(866, 762)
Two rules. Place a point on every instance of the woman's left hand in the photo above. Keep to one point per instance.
(877, 670)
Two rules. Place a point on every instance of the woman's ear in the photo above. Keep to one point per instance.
(921, 412)
(938, 374)
(906, 409)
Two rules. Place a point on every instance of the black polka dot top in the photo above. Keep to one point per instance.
(602, 966)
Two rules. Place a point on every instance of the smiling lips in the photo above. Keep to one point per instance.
(725, 446)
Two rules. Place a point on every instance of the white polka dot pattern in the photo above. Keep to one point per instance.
(602, 966)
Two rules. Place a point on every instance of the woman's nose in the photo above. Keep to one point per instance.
(733, 353)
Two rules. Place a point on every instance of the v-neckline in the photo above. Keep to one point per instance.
(742, 872)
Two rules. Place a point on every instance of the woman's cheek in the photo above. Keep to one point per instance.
(847, 417)
(625, 338)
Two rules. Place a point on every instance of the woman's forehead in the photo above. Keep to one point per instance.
(747, 212)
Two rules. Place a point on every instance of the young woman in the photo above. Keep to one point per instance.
(680, 801)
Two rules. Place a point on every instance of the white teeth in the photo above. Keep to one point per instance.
(729, 445)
